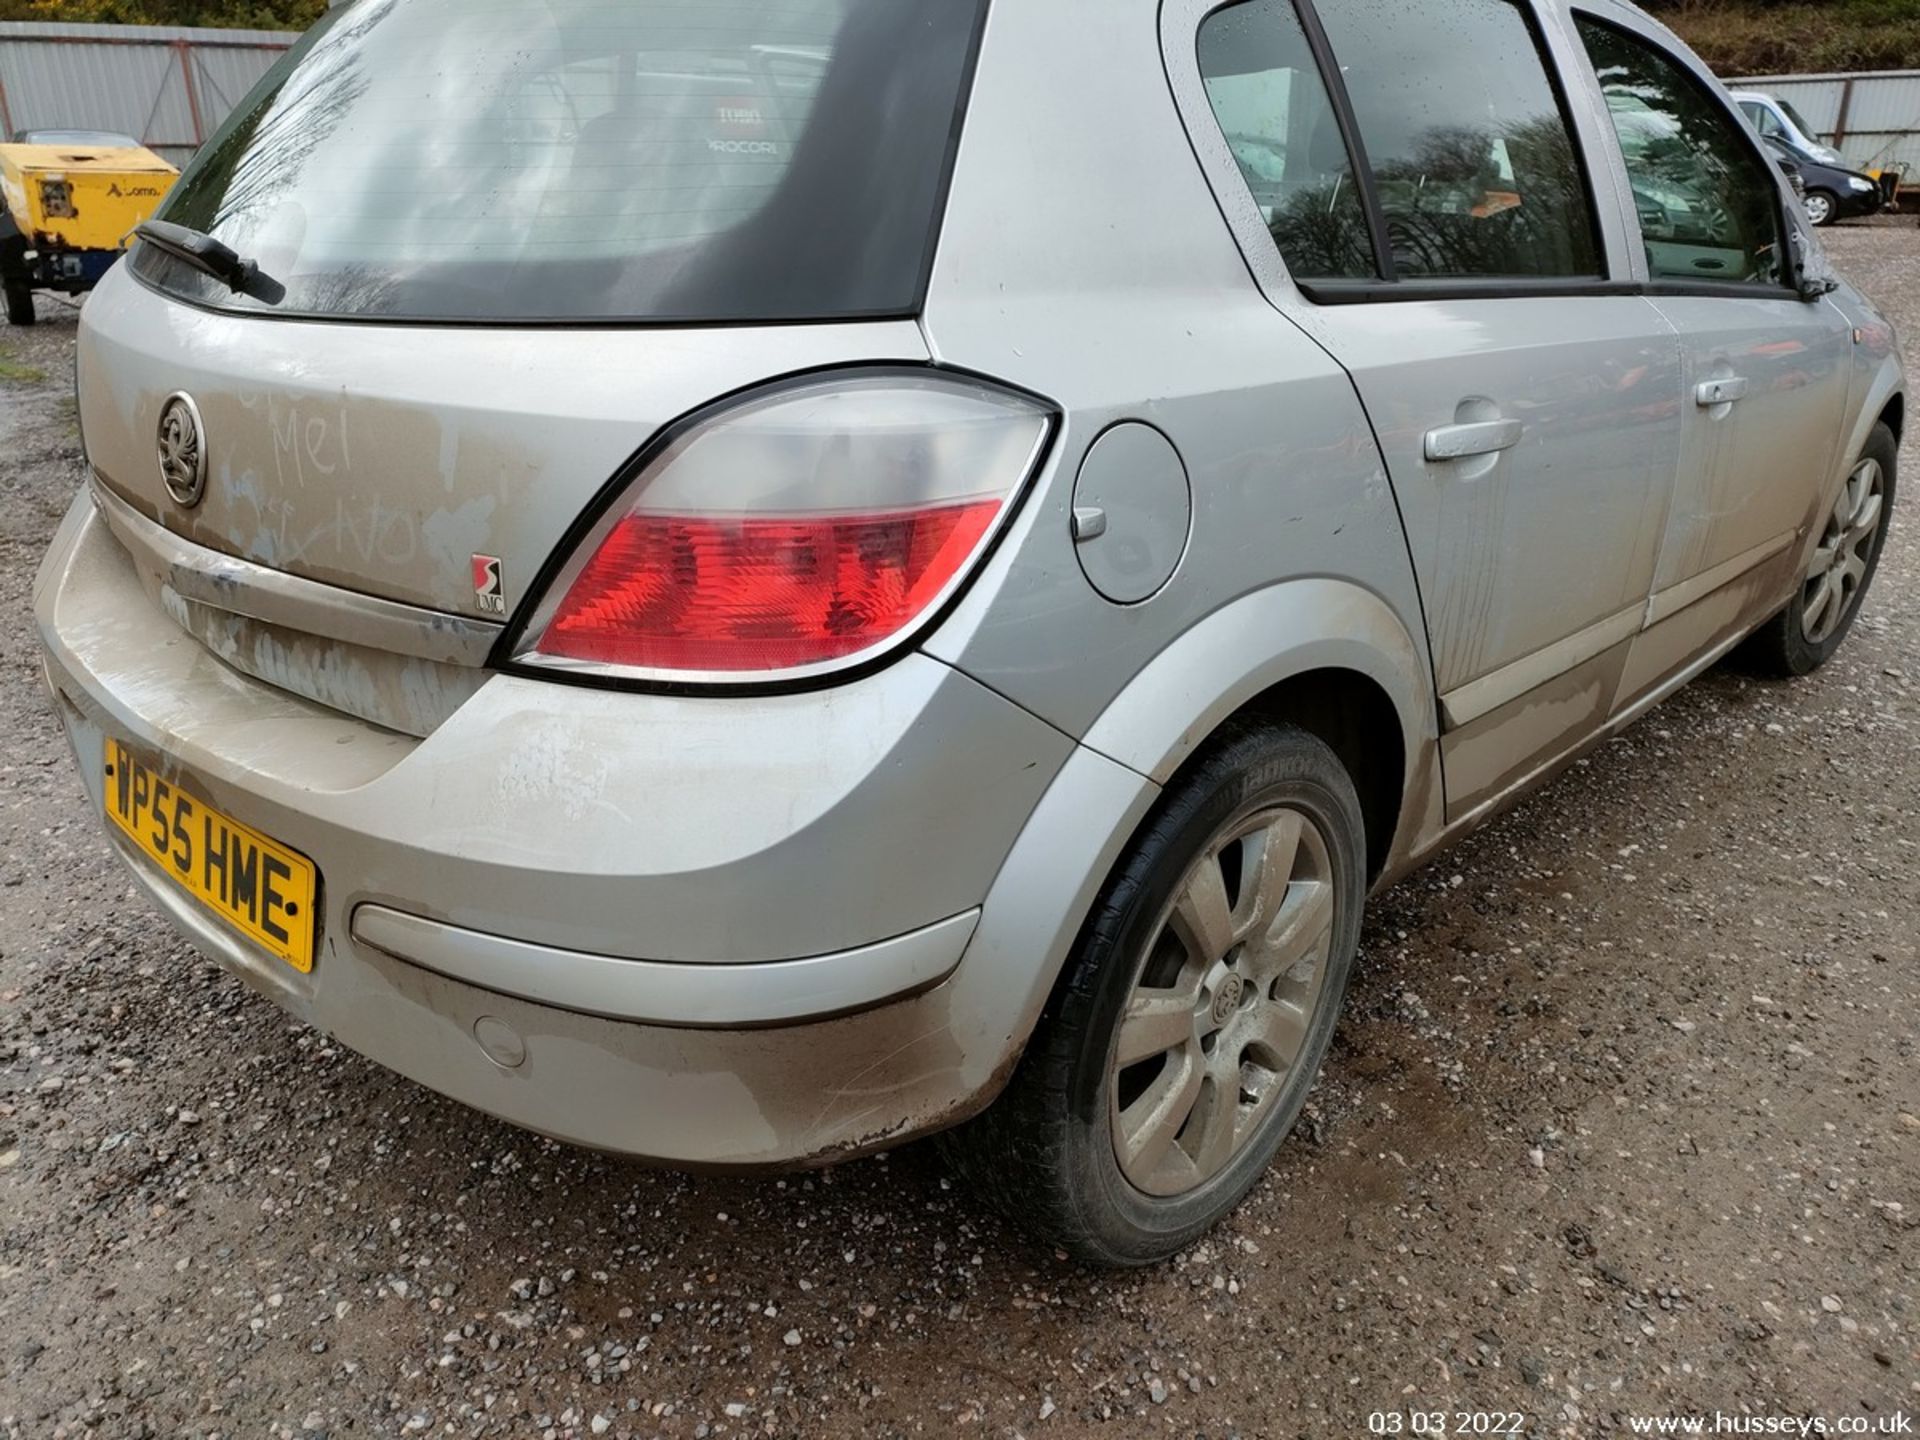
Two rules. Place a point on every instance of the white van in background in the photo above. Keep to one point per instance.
(1776, 119)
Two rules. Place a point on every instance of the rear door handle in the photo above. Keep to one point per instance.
(1709, 393)
(1485, 437)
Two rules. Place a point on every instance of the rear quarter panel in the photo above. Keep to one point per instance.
(1095, 268)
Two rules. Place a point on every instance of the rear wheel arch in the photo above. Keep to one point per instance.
(1345, 669)
(1356, 719)
(1065, 1151)
(1348, 671)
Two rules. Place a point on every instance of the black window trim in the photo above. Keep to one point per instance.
(913, 311)
(1342, 292)
(1389, 287)
(1370, 292)
(1492, 287)
(1744, 134)
(1386, 272)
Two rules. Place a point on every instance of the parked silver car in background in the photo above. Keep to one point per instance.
(741, 584)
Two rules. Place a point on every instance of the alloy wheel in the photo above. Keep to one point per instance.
(1839, 567)
(1819, 208)
(1226, 999)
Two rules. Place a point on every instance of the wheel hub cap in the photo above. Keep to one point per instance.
(1225, 1001)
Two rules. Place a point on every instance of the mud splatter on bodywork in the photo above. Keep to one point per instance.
(381, 461)
(398, 692)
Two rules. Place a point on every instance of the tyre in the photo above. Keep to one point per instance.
(1823, 206)
(1192, 1017)
(1814, 624)
(19, 305)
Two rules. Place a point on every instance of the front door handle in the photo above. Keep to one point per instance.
(1709, 393)
(1485, 437)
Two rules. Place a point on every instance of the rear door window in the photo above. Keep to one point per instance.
(638, 160)
(1708, 205)
(1265, 89)
(1472, 157)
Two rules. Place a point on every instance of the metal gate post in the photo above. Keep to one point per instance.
(185, 50)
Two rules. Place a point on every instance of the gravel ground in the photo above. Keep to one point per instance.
(1623, 1119)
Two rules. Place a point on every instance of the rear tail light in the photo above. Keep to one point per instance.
(804, 530)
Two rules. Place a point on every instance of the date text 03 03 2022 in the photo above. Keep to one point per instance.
(1447, 1422)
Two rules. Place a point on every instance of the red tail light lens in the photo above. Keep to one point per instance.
(804, 530)
(688, 592)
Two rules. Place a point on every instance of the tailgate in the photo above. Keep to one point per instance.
(383, 459)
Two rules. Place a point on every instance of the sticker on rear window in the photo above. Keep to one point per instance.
(741, 118)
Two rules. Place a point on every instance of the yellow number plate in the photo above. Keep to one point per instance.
(263, 889)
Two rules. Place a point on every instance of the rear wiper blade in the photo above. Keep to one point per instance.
(211, 257)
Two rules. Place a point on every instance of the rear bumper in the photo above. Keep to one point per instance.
(786, 992)
(710, 932)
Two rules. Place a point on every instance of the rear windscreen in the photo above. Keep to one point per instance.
(638, 160)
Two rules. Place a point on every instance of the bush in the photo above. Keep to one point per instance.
(240, 14)
(1780, 37)
(1736, 37)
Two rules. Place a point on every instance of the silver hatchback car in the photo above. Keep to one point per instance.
(741, 583)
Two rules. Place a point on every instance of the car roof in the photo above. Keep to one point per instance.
(75, 135)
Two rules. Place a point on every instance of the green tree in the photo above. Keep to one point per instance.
(240, 14)
(1774, 37)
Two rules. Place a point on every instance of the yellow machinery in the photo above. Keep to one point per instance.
(68, 203)
(1892, 182)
